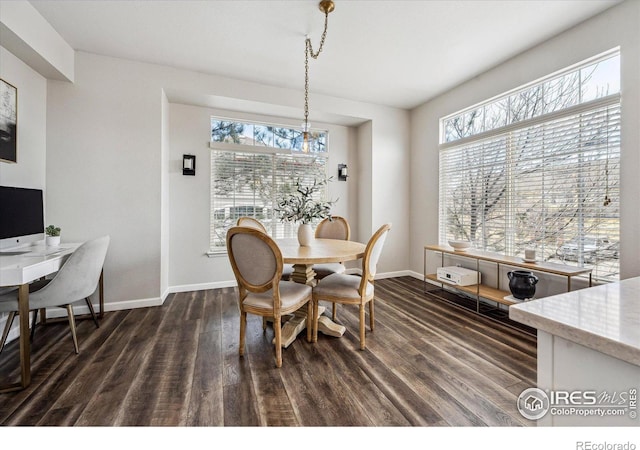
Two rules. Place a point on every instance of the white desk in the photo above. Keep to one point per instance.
(20, 270)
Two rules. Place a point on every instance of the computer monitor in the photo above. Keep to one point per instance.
(21, 216)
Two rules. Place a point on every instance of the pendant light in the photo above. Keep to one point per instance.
(326, 6)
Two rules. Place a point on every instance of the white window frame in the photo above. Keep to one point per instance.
(275, 228)
(512, 244)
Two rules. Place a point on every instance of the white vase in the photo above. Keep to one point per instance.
(52, 241)
(305, 234)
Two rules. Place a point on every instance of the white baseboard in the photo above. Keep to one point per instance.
(232, 283)
(381, 276)
(81, 308)
(400, 273)
(200, 286)
(413, 274)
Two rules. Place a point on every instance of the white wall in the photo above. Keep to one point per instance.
(390, 197)
(104, 169)
(364, 176)
(110, 170)
(26, 34)
(165, 204)
(110, 162)
(617, 26)
(112, 144)
(190, 268)
(29, 171)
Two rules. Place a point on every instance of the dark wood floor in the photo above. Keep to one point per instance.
(426, 364)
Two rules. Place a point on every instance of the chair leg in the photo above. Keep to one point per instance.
(264, 324)
(92, 311)
(33, 324)
(315, 320)
(277, 328)
(310, 319)
(7, 327)
(333, 312)
(72, 324)
(243, 327)
(371, 315)
(362, 344)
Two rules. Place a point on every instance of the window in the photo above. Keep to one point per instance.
(252, 165)
(261, 135)
(539, 168)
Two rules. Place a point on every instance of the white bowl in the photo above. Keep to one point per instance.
(460, 246)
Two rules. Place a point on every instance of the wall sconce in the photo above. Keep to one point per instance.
(342, 172)
(188, 164)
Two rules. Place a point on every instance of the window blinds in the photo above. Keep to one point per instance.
(250, 183)
(550, 183)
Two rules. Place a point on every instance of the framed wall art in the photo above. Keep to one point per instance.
(8, 122)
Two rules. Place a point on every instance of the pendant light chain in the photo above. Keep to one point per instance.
(322, 38)
(326, 6)
(308, 51)
(306, 83)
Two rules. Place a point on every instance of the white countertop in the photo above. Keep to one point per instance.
(605, 318)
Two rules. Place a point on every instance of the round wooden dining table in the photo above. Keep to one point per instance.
(303, 258)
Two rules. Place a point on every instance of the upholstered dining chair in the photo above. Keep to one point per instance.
(335, 227)
(257, 265)
(353, 290)
(246, 221)
(76, 280)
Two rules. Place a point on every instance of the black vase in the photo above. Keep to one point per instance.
(522, 284)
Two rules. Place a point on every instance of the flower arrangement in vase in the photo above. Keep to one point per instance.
(301, 207)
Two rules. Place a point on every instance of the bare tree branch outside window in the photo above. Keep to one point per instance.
(545, 185)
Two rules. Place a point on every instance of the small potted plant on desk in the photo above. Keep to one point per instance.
(300, 207)
(53, 236)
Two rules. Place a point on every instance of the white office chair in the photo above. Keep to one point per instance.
(76, 280)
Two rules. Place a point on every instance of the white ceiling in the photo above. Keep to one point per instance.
(396, 53)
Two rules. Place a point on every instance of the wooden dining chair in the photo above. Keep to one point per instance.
(246, 221)
(353, 290)
(335, 227)
(257, 265)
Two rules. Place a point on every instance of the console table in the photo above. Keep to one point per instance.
(496, 293)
